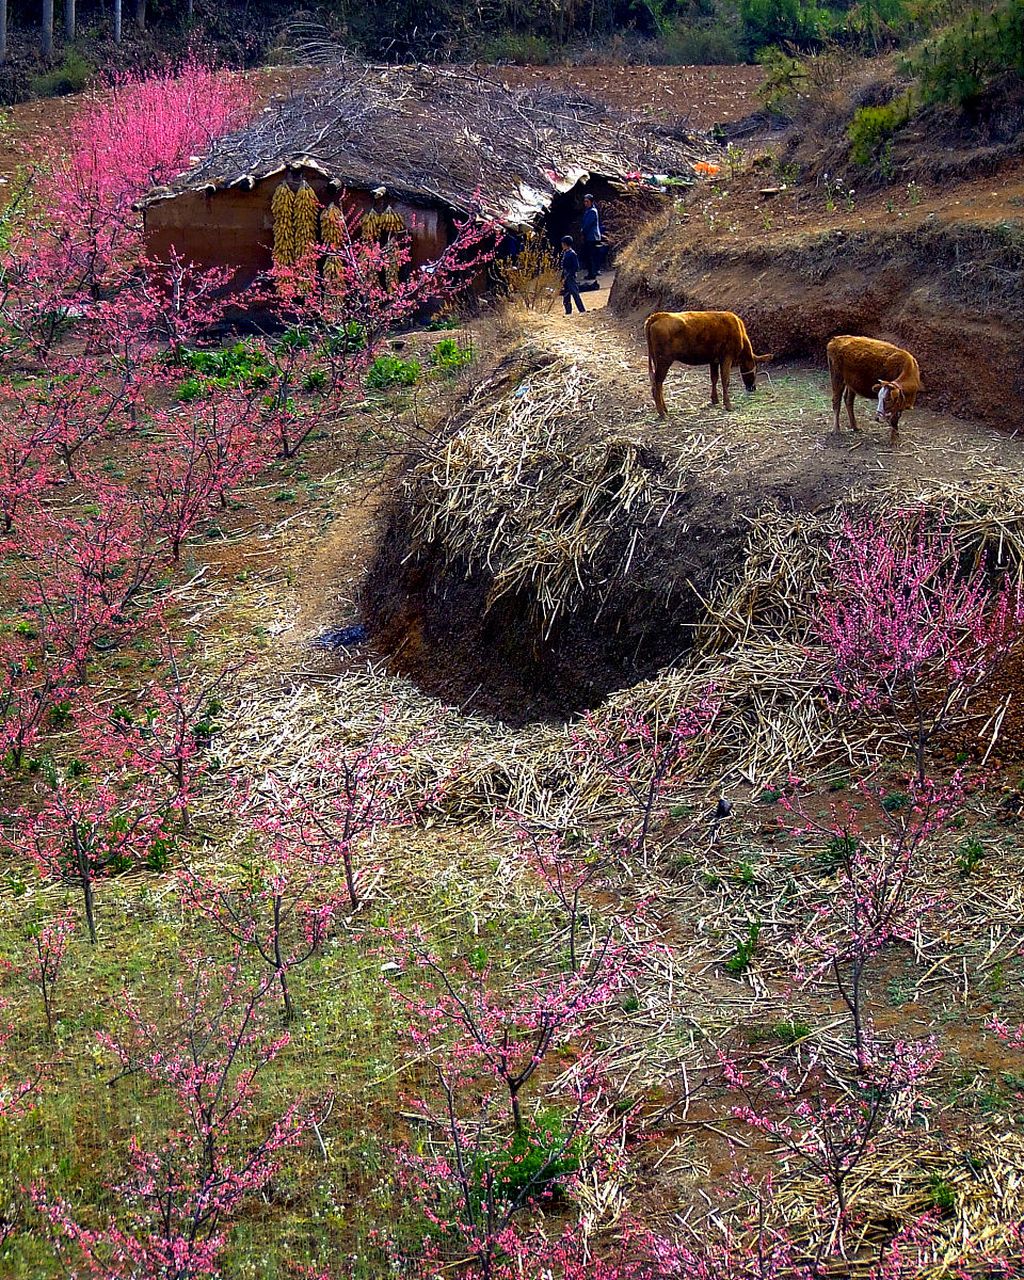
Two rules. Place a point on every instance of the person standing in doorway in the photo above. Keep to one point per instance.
(570, 265)
(591, 229)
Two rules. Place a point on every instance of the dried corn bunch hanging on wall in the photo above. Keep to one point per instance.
(306, 217)
(334, 234)
(282, 212)
(370, 228)
(390, 221)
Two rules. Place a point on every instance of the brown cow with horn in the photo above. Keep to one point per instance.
(715, 338)
(869, 368)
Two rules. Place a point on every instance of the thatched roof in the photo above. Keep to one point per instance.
(438, 136)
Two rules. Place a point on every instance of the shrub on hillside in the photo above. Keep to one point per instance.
(71, 76)
(710, 43)
(799, 23)
(872, 127)
(977, 46)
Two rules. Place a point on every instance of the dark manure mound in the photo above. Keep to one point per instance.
(540, 554)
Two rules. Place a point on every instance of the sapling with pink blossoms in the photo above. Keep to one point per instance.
(356, 792)
(165, 732)
(827, 1124)
(84, 830)
(640, 758)
(279, 909)
(881, 894)
(906, 631)
(504, 1035)
(487, 1159)
(179, 1193)
(572, 865)
(44, 959)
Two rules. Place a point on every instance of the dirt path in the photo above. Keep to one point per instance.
(784, 431)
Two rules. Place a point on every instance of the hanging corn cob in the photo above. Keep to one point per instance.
(333, 233)
(390, 221)
(370, 228)
(306, 211)
(282, 212)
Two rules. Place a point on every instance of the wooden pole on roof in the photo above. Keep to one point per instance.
(69, 19)
(46, 42)
(117, 21)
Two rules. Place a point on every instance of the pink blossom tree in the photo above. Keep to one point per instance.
(44, 960)
(341, 301)
(486, 1160)
(906, 632)
(881, 894)
(503, 1036)
(134, 134)
(178, 1193)
(85, 830)
(640, 758)
(88, 579)
(826, 1124)
(572, 865)
(280, 909)
(165, 732)
(357, 792)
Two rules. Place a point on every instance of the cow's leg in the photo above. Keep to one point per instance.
(837, 397)
(714, 382)
(850, 397)
(726, 371)
(659, 372)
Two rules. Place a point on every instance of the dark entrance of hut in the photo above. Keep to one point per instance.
(623, 210)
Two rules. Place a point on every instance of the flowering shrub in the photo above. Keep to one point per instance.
(906, 632)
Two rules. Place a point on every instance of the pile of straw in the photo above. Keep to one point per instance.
(896, 1185)
(527, 491)
(568, 505)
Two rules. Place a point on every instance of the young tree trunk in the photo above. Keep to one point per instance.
(69, 20)
(279, 964)
(117, 21)
(46, 40)
(140, 14)
(85, 879)
(3, 30)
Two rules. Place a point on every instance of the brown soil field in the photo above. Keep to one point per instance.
(703, 96)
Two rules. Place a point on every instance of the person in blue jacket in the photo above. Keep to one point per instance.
(570, 264)
(591, 229)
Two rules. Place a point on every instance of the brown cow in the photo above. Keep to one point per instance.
(869, 368)
(715, 338)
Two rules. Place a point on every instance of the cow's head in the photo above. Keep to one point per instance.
(748, 368)
(892, 400)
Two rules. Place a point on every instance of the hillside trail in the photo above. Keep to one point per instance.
(787, 426)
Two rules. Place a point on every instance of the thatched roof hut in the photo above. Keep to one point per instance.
(430, 143)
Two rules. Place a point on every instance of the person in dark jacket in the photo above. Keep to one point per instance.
(591, 228)
(570, 265)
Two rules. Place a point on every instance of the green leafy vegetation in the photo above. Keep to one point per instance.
(972, 46)
(388, 372)
(71, 75)
(740, 960)
(448, 356)
(872, 127)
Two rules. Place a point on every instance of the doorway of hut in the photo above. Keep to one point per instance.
(565, 213)
(622, 210)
